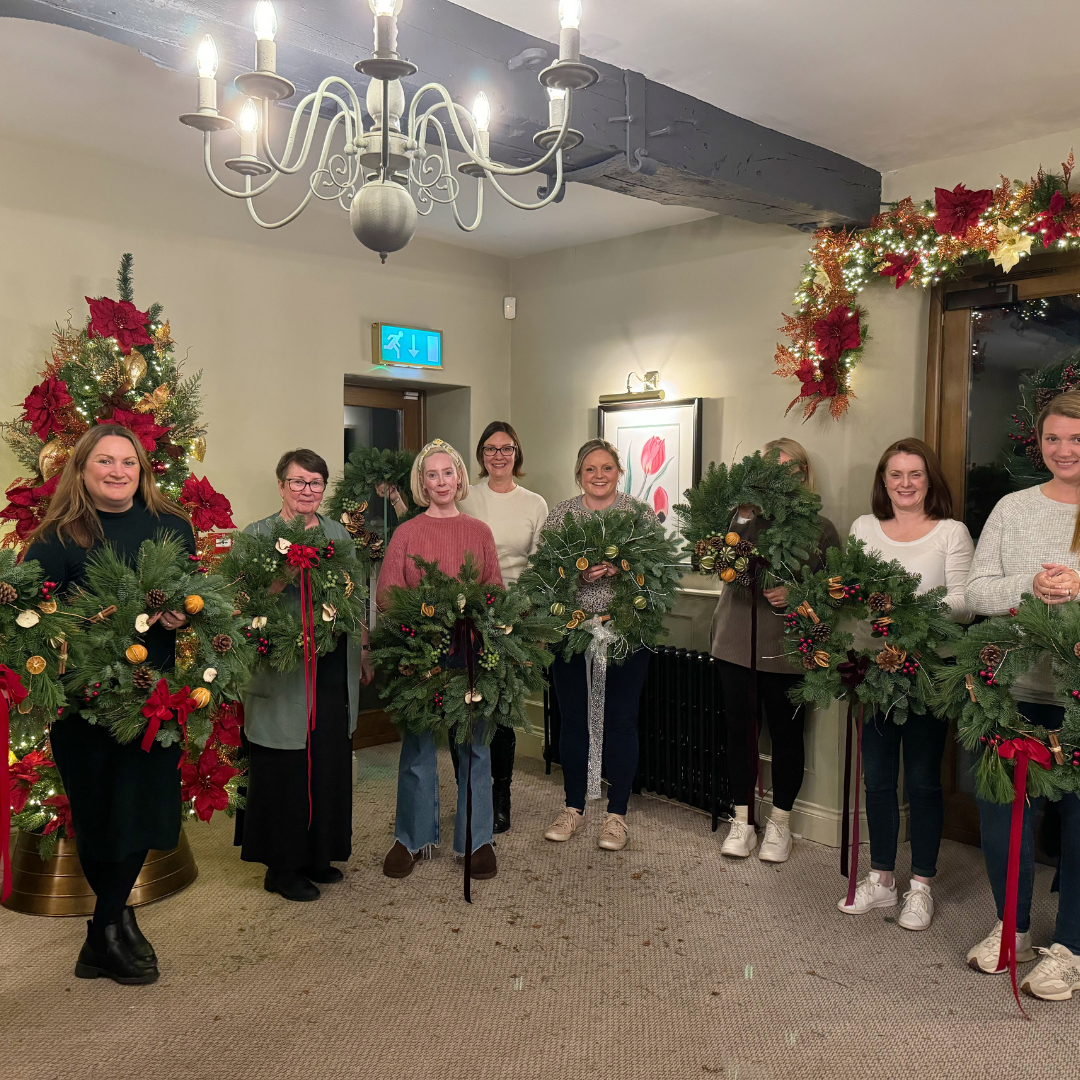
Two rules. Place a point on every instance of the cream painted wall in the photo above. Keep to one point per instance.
(274, 319)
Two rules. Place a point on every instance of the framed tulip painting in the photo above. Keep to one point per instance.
(659, 443)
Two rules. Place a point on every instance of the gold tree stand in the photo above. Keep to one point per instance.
(58, 887)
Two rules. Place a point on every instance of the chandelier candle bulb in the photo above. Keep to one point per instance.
(249, 128)
(570, 34)
(556, 106)
(265, 29)
(386, 12)
(207, 61)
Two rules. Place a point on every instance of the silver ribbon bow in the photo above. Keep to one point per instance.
(596, 664)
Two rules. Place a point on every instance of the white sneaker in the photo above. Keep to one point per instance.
(740, 841)
(565, 825)
(776, 847)
(984, 956)
(1055, 976)
(613, 834)
(918, 910)
(869, 894)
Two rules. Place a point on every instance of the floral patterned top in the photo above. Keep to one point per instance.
(597, 595)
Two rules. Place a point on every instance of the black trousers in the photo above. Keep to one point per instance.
(621, 703)
(112, 882)
(786, 721)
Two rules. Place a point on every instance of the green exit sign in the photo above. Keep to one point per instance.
(405, 346)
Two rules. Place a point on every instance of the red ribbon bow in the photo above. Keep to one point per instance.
(161, 705)
(11, 690)
(1022, 749)
(302, 556)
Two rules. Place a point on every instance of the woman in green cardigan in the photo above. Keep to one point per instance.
(299, 843)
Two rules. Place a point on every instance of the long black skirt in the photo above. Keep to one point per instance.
(274, 826)
(123, 799)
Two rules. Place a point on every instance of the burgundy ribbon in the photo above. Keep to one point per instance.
(852, 672)
(1023, 750)
(463, 643)
(12, 691)
(303, 557)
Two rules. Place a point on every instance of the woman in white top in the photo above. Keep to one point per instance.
(515, 516)
(911, 523)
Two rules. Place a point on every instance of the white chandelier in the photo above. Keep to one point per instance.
(385, 177)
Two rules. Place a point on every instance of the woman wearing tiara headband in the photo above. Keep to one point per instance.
(444, 535)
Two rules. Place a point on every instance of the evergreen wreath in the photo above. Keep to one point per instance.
(791, 510)
(110, 681)
(271, 623)
(976, 692)
(893, 677)
(366, 468)
(643, 590)
(428, 689)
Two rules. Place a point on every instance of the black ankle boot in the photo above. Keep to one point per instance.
(290, 884)
(324, 875)
(106, 954)
(133, 937)
(500, 800)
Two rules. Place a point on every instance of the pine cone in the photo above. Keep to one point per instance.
(809, 663)
(743, 579)
(1035, 456)
(880, 601)
(376, 547)
(8, 593)
(992, 655)
(716, 543)
(744, 549)
(222, 643)
(156, 599)
(143, 678)
(406, 669)
(701, 548)
(821, 631)
(890, 658)
(1044, 395)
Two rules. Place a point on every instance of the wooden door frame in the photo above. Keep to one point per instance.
(948, 362)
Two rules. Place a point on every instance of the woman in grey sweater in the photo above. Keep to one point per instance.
(1029, 545)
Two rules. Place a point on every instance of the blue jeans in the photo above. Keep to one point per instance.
(995, 820)
(417, 822)
(922, 741)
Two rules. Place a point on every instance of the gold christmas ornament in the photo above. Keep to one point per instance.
(47, 607)
(198, 447)
(427, 609)
(35, 665)
(209, 675)
(152, 402)
(201, 696)
(193, 604)
(162, 340)
(732, 539)
(135, 654)
(582, 563)
(51, 458)
(142, 623)
(135, 367)
(28, 618)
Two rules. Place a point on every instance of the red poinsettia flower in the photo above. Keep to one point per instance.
(203, 784)
(957, 210)
(900, 267)
(227, 724)
(661, 503)
(26, 505)
(209, 509)
(42, 405)
(837, 333)
(141, 425)
(1050, 224)
(62, 816)
(817, 380)
(120, 320)
(25, 773)
(653, 454)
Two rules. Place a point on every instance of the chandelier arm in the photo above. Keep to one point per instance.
(444, 177)
(224, 188)
(288, 219)
(549, 198)
(479, 209)
(315, 99)
(452, 108)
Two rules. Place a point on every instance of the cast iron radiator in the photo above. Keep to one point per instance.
(681, 731)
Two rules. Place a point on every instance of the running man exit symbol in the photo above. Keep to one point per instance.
(405, 346)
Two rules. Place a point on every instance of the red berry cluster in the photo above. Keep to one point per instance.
(490, 598)
(987, 676)
(198, 559)
(408, 631)
(47, 588)
(910, 667)
(791, 621)
(853, 592)
(1076, 758)
(438, 700)
(328, 551)
(90, 693)
(879, 629)
(991, 740)
(1075, 694)
(806, 645)
(263, 646)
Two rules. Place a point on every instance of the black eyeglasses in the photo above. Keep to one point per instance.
(500, 451)
(316, 486)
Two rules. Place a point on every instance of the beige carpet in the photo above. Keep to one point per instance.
(664, 961)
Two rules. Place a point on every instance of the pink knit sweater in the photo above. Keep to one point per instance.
(441, 540)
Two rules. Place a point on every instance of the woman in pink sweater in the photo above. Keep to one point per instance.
(442, 534)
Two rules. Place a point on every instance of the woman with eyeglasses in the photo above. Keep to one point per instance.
(297, 841)
(515, 516)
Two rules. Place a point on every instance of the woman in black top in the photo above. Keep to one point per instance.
(124, 800)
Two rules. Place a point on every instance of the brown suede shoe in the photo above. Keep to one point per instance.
(399, 861)
(483, 863)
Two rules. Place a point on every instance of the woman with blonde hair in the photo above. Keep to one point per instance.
(124, 800)
(775, 678)
(444, 535)
(1029, 545)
